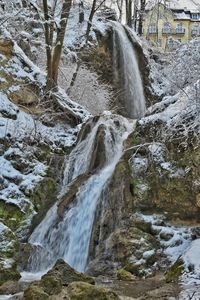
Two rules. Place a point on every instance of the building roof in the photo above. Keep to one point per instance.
(187, 5)
(182, 16)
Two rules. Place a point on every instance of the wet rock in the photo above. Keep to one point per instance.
(25, 254)
(113, 212)
(86, 291)
(86, 129)
(70, 195)
(99, 153)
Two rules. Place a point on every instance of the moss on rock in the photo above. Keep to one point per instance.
(51, 284)
(11, 215)
(62, 271)
(43, 197)
(122, 274)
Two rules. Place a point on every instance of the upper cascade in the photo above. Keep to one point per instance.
(126, 72)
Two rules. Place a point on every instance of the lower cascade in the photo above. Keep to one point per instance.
(66, 229)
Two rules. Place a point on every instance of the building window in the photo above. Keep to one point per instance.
(152, 28)
(166, 28)
(180, 28)
(170, 43)
(195, 29)
(195, 16)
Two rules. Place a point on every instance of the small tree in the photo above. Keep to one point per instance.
(54, 37)
(141, 16)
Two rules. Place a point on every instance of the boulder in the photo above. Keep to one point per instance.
(64, 273)
(53, 282)
(9, 287)
(8, 274)
(35, 293)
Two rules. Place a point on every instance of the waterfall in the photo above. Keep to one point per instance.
(68, 236)
(66, 230)
(126, 72)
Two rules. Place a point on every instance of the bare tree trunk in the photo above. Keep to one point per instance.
(53, 10)
(48, 43)
(135, 12)
(129, 13)
(142, 9)
(90, 19)
(60, 39)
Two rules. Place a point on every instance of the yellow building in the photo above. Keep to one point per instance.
(169, 23)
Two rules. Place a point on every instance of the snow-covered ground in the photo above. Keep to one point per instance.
(178, 244)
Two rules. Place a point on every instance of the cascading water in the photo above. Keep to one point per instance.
(127, 73)
(66, 230)
(69, 237)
